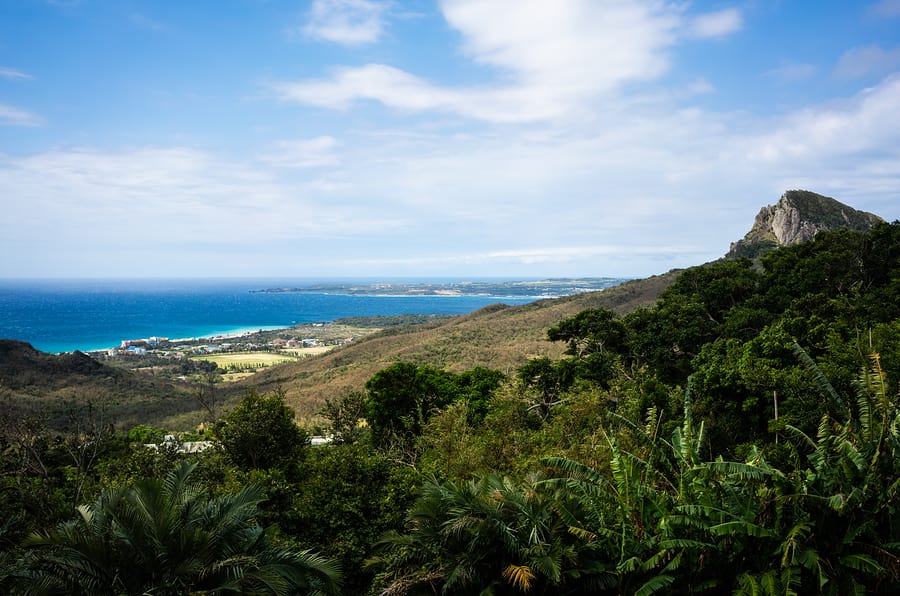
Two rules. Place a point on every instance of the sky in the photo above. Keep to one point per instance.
(443, 138)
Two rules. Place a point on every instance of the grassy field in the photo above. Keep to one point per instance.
(247, 359)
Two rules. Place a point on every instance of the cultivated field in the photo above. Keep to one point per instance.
(247, 359)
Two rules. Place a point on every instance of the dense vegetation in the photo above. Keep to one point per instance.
(742, 435)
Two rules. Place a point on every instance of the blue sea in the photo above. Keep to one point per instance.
(86, 315)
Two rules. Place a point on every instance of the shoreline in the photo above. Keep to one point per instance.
(99, 317)
(231, 333)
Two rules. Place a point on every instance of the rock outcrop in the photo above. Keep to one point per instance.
(797, 217)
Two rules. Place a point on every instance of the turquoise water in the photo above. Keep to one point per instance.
(66, 315)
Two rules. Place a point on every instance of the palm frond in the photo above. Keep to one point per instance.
(519, 576)
(837, 404)
(655, 584)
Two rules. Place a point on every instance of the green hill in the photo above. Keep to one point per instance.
(49, 385)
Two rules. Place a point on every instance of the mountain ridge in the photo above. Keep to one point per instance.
(797, 217)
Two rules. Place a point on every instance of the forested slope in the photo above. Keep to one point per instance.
(53, 385)
(740, 436)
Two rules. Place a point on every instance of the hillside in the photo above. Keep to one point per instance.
(502, 338)
(498, 337)
(49, 384)
(23, 367)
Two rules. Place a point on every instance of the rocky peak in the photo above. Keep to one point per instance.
(797, 217)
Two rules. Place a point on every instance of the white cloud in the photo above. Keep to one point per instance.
(715, 24)
(865, 124)
(347, 22)
(647, 171)
(860, 62)
(545, 48)
(550, 60)
(529, 257)
(581, 46)
(389, 85)
(400, 90)
(12, 116)
(12, 73)
(885, 8)
(639, 170)
(303, 153)
(175, 193)
(637, 192)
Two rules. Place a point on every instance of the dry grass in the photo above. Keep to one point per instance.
(233, 377)
(305, 352)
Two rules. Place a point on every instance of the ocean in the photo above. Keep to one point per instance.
(86, 315)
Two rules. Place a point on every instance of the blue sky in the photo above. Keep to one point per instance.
(463, 138)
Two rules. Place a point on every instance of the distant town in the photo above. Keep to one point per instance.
(546, 288)
(248, 341)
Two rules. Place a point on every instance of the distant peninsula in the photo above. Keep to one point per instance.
(544, 288)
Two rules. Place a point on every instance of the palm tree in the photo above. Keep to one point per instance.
(486, 536)
(170, 537)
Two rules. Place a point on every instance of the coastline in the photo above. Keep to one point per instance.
(92, 316)
(231, 333)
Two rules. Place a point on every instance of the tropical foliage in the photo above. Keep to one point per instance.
(261, 433)
(168, 536)
(664, 519)
(741, 435)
